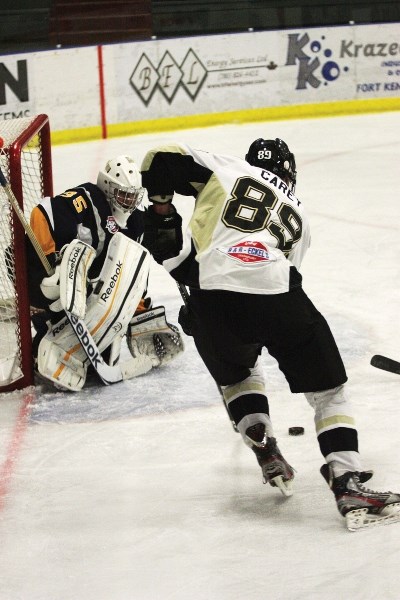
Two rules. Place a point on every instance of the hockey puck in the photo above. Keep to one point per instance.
(296, 430)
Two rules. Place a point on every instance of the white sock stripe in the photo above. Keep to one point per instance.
(333, 422)
(251, 388)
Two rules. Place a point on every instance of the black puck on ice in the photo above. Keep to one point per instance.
(296, 430)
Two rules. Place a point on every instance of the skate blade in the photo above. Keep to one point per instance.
(361, 519)
(286, 487)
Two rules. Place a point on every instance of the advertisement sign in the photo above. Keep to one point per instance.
(63, 84)
(122, 86)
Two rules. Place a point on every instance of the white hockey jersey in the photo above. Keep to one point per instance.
(248, 232)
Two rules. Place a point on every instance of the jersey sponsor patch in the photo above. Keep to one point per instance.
(111, 225)
(249, 252)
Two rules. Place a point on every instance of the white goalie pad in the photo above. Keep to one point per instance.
(75, 264)
(149, 334)
(59, 366)
(121, 285)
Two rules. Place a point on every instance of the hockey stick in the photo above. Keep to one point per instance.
(385, 363)
(185, 297)
(184, 293)
(28, 229)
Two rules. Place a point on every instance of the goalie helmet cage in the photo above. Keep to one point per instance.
(25, 157)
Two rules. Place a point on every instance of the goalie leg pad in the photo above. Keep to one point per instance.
(76, 261)
(149, 334)
(122, 282)
(61, 368)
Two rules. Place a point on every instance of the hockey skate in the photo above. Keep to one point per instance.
(360, 506)
(276, 471)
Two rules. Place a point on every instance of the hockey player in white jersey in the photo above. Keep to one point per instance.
(240, 258)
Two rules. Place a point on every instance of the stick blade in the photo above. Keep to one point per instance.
(385, 363)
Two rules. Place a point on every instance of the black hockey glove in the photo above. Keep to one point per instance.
(162, 234)
(185, 319)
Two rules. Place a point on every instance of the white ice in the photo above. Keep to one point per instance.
(143, 491)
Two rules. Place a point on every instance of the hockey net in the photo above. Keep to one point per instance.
(25, 157)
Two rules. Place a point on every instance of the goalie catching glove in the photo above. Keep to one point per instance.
(149, 334)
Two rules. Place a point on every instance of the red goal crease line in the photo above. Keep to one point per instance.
(7, 469)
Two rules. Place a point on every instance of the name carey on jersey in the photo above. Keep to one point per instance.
(280, 185)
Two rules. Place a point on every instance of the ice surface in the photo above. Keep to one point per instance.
(143, 491)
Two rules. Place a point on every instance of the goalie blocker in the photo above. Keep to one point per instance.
(64, 353)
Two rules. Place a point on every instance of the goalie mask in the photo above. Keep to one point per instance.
(121, 183)
(274, 156)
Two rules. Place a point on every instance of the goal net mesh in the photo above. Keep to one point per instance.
(25, 161)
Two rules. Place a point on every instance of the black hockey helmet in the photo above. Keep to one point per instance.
(274, 156)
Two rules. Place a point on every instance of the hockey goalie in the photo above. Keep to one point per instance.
(96, 297)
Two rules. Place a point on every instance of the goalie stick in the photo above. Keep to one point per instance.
(107, 373)
(385, 363)
(28, 229)
(185, 297)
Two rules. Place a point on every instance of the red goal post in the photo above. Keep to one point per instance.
(25, 157)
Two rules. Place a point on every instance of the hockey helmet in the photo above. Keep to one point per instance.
(121, 183)
(274, 156)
